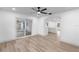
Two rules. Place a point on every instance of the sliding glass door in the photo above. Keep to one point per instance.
(24, 27)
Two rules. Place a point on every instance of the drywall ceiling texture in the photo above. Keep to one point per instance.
(29, 11)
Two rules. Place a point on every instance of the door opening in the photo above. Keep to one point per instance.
(23, 27)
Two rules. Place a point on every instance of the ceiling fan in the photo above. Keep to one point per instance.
(39, 11)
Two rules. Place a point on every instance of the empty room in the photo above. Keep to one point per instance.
(39, 29)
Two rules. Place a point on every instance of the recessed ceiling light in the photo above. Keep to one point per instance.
(13, 9)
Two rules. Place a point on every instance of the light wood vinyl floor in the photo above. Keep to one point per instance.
(49, 43)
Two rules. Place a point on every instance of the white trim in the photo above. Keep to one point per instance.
(23, 36)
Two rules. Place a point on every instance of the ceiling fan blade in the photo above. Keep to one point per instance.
(44, 9)
(34, 9)
(44, 12)
(50, 13)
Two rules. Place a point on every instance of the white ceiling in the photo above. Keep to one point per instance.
(29, 11)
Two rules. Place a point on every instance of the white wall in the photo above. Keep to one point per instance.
(39, 26)
(42, 27)
(8, 25)
(35, 26)
(70, 27)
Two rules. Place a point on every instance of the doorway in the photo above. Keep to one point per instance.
(23, 27)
